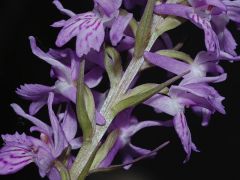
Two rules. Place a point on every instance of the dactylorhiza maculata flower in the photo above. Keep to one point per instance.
(21, 149)
(105, 41)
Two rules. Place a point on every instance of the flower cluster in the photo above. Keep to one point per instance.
(102, 124)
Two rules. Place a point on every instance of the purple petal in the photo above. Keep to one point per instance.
(227, 42)
(90, 37)
(137, 151)
(36, 106)
(233, 9)
(44, 161)
(201, 3)
(62, 9)
(211, 39)
(164, 104)
(67, 90)
(69, 123)
(126, 43)
(76, 143)
(118, 28)
(184, 134)
(122, 119)
(169, 64)
(58, 134)
(109, 7)
(111, 155)
(16, 153)
(131, 130)
(93, 77)
(167, 40)
(96, 58)
(214, 79)
(45, 128)
(100, 120)
(207, 92)
(61, 70)
(89, 30)
(33, 91)
(173, 9)
(54, 174)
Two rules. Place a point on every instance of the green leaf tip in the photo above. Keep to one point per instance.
(143, 33)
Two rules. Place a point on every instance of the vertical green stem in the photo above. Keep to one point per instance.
(133, 68)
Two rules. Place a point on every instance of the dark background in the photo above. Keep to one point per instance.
(219, 143)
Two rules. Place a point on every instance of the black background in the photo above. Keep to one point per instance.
(219, 143)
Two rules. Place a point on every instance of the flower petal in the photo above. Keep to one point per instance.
(184, 134)
(45, 128)
(61, 70)
(62, 9)
(118, 27)
(58, 134)
(109, 6)
(16, 153)
(169, 64)
(93, 77)
(69, 123)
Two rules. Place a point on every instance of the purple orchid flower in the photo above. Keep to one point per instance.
(128, 126)
(89, 27)
(174, 105)
(66, 70)
(211, 16)
(195, 95)
(21, 150)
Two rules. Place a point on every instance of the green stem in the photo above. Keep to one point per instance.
(133, 68)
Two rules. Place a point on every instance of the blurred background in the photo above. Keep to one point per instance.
(219, 142)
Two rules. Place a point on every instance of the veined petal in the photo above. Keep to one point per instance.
(91, 36)
(33, 91)
(211, 39)
(16, 154)
(89, 30)
(184, 134)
